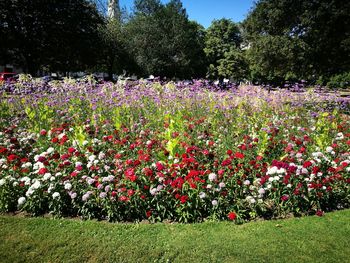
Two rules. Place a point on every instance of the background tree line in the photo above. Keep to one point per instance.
(280, 40)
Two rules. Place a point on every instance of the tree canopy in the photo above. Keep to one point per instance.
(57, 35)
(280, 40)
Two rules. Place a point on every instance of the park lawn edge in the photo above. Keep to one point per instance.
(306, 239)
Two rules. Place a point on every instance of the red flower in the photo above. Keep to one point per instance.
(239, 155)
(123, 198)
(160, 166)
(184, 199)
(71, 150)
(259, 158)
(319, 213)
(149, 214)
(117, 156)
(284, 198)
(307, 164)
(229, 152)
(232, 216)
(12, 157)
(43, 132)
(3, 150)
(42, 171)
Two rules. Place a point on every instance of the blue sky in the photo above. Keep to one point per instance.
(205, 11)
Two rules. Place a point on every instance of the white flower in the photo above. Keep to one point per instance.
(222, 185)
(92, 158)
(103, 195)
(50, 150)
(281, 171)
(214, 202)
(68, 186)
(272, 170)
(250, 199)
(2, 182)
(298, 155)
(153, 191)
(212, 177)
(55, 195)
(246, 182)
(304, 171)
(329, 149)
(202, 195)
(29, 192)
(36, 184)
(47, 176)
(209, 186)
(340, 136)
(21, 201)
(90, 181)
(261, 191)
(101, 156)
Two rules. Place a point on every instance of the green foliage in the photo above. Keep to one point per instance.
(298, 39)
(57, 35)
(233, 65)
(340, 81)
(275, 59)
(222, 42)
(163, 41)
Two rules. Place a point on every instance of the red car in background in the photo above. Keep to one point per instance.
(7, 76)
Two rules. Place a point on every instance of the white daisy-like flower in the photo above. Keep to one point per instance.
(261, 191)
(68, 186)
(329, 149)
(212, 177)
(222, 185)
(246, 182)
(56, 195)
(21, 200)
(2, 182)
(50, 150)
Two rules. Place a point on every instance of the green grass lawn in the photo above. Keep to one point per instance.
(308, 239)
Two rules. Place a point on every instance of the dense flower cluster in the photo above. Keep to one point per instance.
(175, 153)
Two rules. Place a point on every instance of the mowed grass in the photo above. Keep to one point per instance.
(307, 239)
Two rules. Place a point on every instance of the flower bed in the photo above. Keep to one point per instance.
(184, 153)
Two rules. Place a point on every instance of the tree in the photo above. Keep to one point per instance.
(164, 42)
(274, 59)
(233, 65)
(223, 38)
(57, 35)
(313, 35)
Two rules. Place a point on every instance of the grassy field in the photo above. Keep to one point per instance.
(308, 239)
